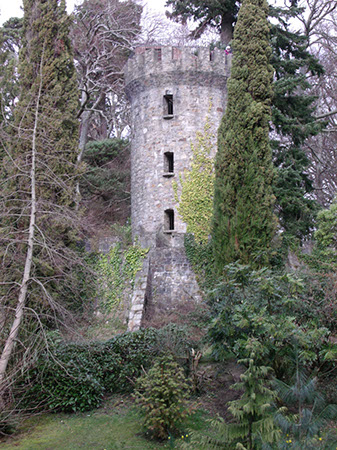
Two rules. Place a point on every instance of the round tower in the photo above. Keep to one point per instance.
(170, 90)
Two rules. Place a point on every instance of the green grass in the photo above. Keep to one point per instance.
(115, 426)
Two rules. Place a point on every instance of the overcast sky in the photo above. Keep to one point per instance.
(11, 8)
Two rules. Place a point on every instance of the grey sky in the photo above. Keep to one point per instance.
(11, 8)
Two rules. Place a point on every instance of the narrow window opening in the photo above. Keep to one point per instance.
(169, 220)
(157, 52)
(169, 162)
(176, 53)
(168, 106)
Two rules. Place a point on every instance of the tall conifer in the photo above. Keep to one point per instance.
(47, 53)
(243, 223)
(36, 214)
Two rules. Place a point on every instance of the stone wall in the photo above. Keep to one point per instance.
(194, 81)
(163, 287)
(172, 91)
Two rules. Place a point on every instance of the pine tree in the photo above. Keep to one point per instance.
(305, 424)
(219, 15)
(254, 410)
(243, 223)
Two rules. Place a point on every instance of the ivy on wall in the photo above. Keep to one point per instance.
(117, 270)
(194, 192)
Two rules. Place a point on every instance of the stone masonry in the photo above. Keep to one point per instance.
(171, 91)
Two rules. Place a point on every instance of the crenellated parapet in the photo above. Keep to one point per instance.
(176, 64)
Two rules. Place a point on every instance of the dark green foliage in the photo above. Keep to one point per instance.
(74, 376)
(161, 393)
(292, 107)
(202, 261)
(243, 200)
(10, 40)
(46, 56)
(319, 298)
(106, 180)
(293, 120)
(47, 76)
(269, 308)
(214, 13)
(63, 385)
(326, 233)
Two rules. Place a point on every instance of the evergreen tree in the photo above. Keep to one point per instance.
(293, 121)
(253, 410)
(304, 425)
(37, 220)
(214, 13)
(10, 41)
(46, 56)
(243, 223)
(254, 425)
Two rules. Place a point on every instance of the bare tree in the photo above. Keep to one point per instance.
(157, 29)
(315, 19)
(319, 21)
(103, 34)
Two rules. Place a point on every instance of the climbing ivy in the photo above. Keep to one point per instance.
(117, 270)
(195, 189)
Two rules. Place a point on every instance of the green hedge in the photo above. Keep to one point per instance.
(75, 376)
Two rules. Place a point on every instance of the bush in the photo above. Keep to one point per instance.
(74, 376)
(266, 306)
(161, 393)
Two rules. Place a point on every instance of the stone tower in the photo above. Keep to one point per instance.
(170, 90)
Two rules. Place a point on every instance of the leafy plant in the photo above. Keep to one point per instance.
(116, 272)
(162, 393)
(194, 192)
(74, 376)
(267, 307)
(62, 384)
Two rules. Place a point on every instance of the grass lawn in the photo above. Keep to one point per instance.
(115, 426)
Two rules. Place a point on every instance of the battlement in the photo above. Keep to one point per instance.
(147, 61)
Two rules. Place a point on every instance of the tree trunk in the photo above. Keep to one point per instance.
(19, 312)
(226, 33)
(84, 129)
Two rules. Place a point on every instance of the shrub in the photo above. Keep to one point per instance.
(266, 306)
(62, 386)
(161, 393)
(74, 376)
